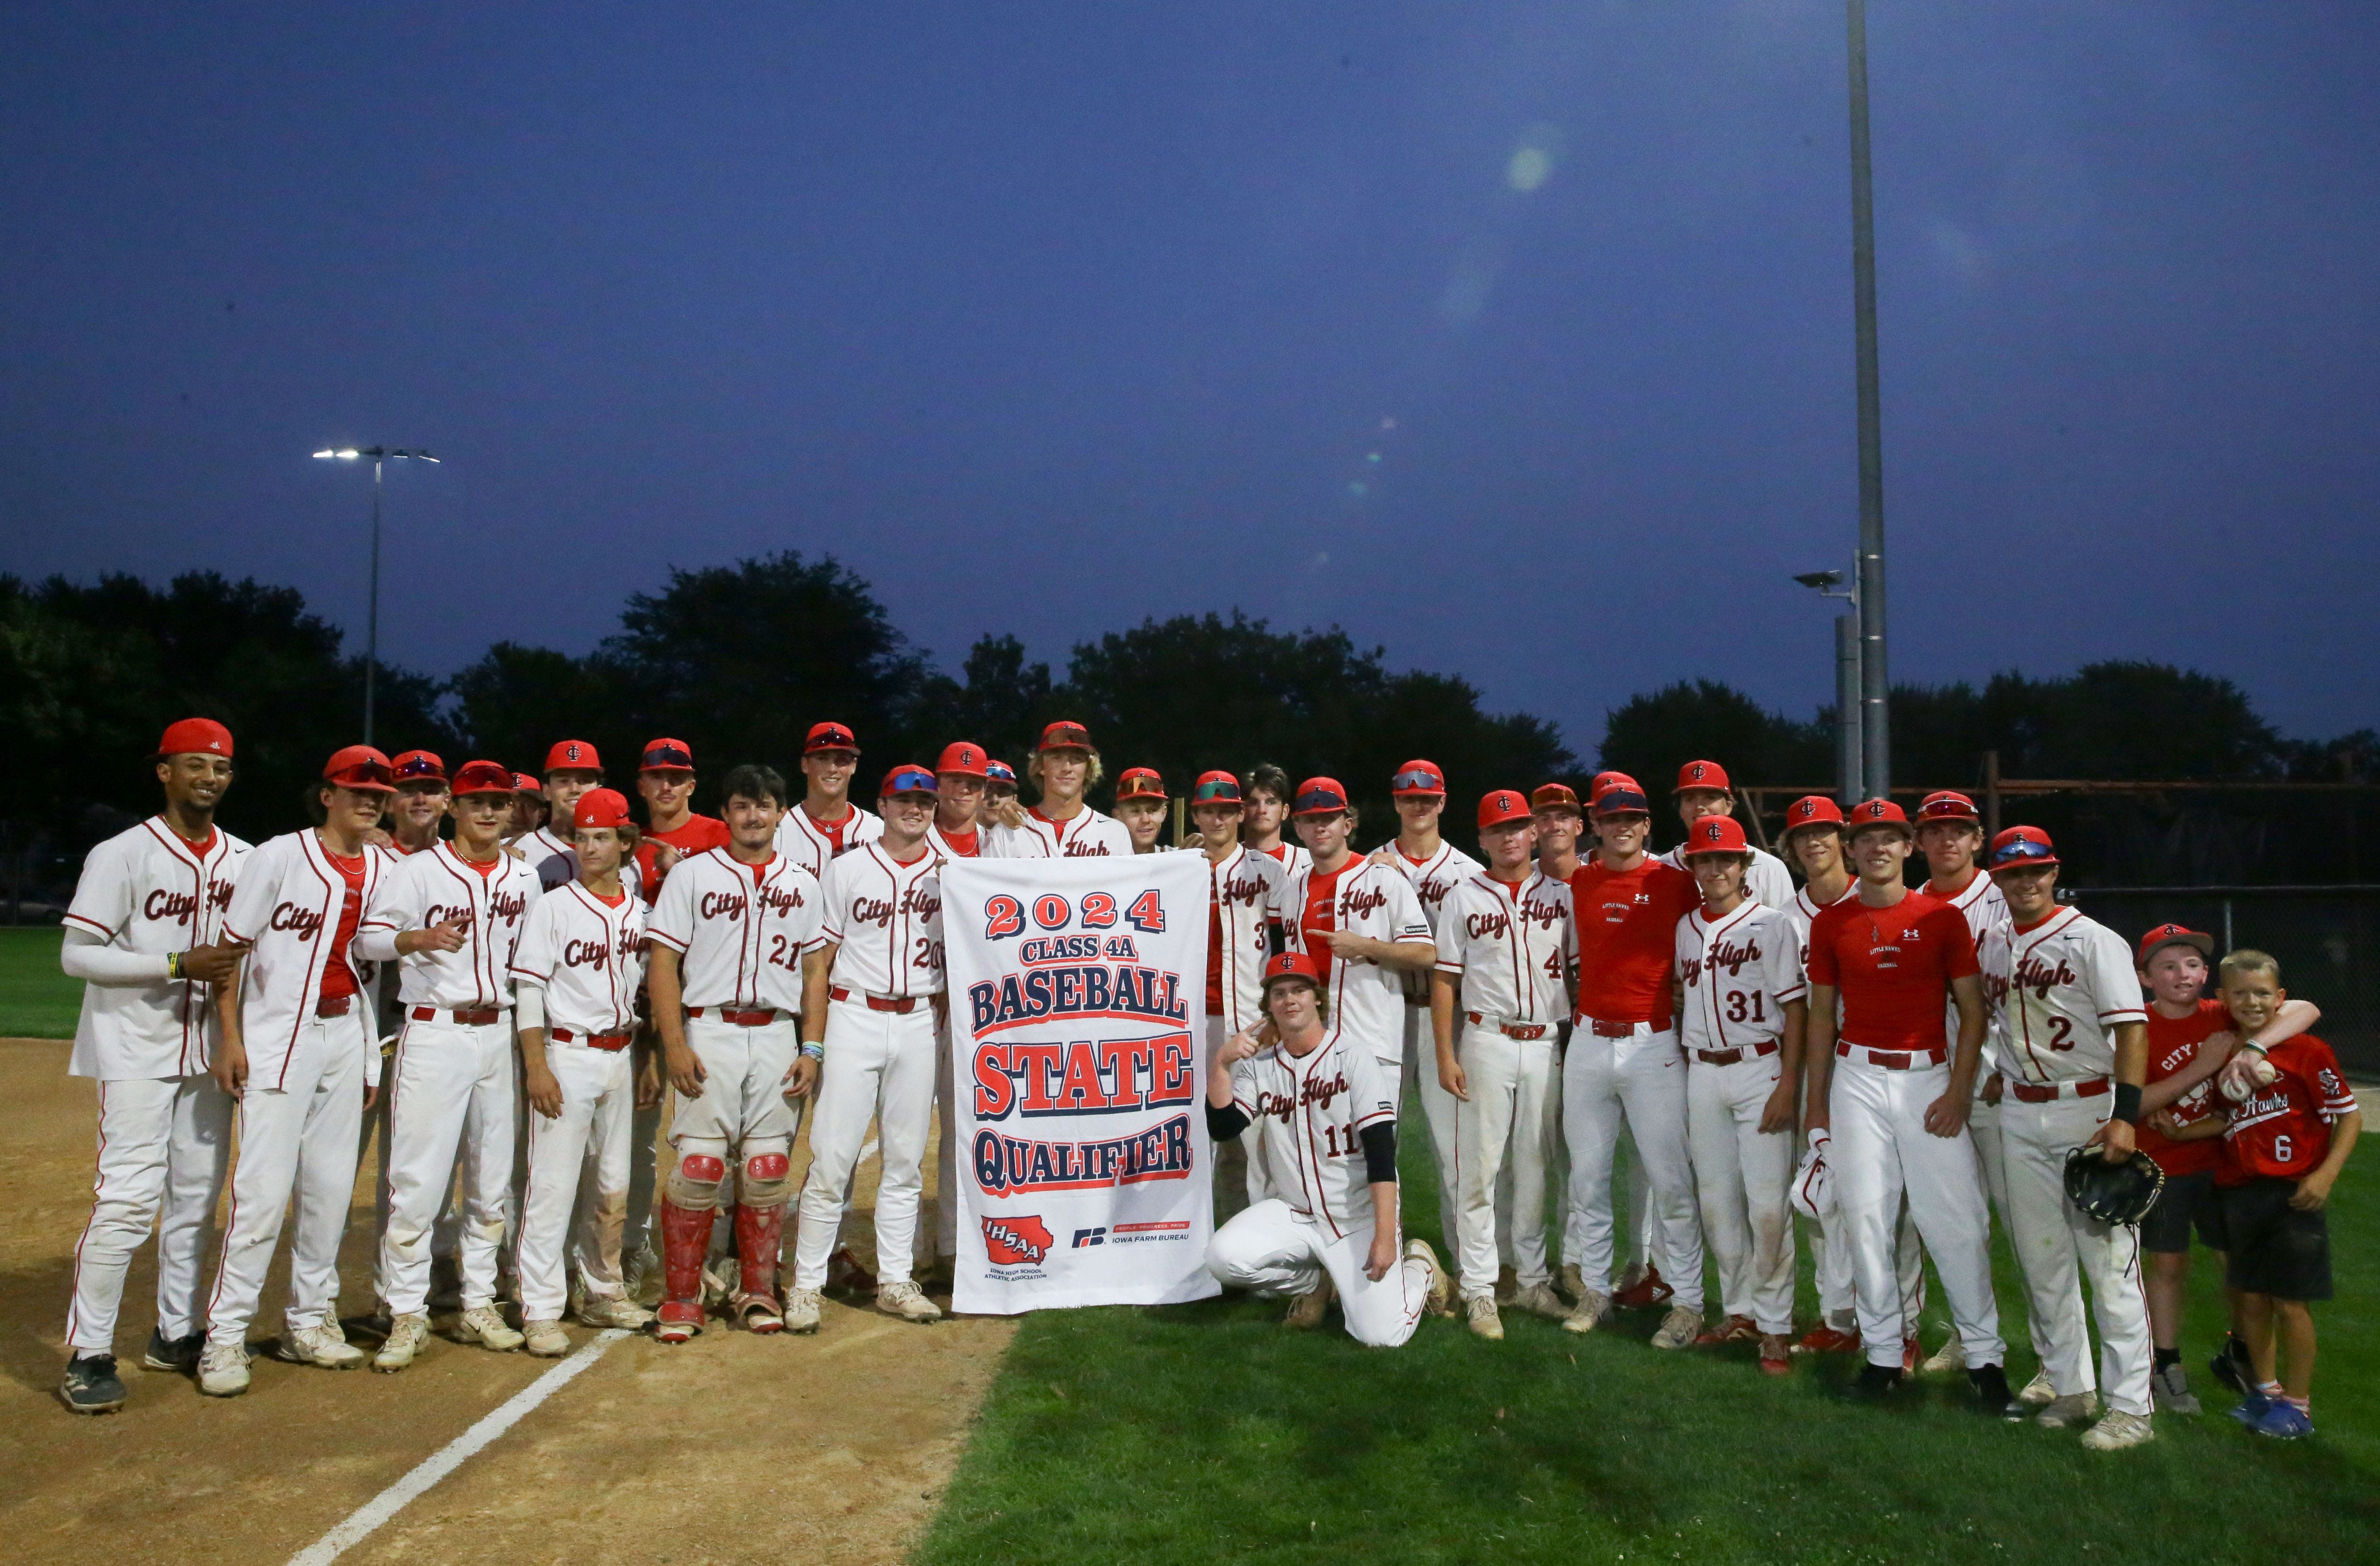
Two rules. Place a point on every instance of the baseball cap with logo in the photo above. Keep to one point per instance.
(1555, 796)
(482, 777)
(908, 778)
(1716, 834)
(1000, 774)
(2019, 848)
(1065, 734)
(1617, 794)
(597, 808)
(962, 760)
(667, 756)
(1417, 780)
(572, 756)
(1139, 783)
(1319, 797)
(1292, 964)
(195, 736)
(1878, 813)
(1947, 804)
(524, 784)
(829, 736)
(1702, 775)
(1504, 805)
(2164, 936)
(1215, 788)
(417, 766)
(1812, 810)
(360, 768)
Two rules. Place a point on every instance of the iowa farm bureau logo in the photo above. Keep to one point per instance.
(1015, 1239)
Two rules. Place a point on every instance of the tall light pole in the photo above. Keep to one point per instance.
(1875, 734)
(379, 455)
(1848, 752)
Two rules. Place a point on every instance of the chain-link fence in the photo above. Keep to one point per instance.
(2328, 939)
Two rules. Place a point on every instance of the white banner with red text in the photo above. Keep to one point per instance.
(1078, 1054)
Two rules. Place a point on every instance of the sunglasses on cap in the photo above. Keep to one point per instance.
(911, 779)
(1221, 792)
(1415, 777)
(2019, 850)
(363, 774)
(663, 758)
(1315, 799)
(414, 767)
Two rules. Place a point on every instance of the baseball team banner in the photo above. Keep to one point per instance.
(1078, 1050)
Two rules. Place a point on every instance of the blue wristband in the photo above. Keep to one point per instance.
(815, 1051)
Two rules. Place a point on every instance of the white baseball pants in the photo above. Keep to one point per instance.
(162, 1145)
(644, 1162)
(877, 1065)
(1831, 1257)
(1441, 1111)
(1882, 1155)
(743, 1085)
(298, 1141)
(588, 1142)
(2059, 1246)
(1741, 1176)
(1270, 1249)
(1504, 1134)
(454, 1088)
(1640, 1079)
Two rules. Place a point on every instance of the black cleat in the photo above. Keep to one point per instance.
(1874, 1383)
(2231, 1366)
(1992, 1395)
(180, 1354)
(91, 1385)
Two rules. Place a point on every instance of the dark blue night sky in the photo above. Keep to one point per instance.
(1516, 336)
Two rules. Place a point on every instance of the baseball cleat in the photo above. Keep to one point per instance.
(846, 1275)
(406, 1333)
(2231, 1366)
(2037, 1393)
(908, 1301)
(1827, 1339)
(2171, 1390)
(644, 1281)
(759, 1313)
(1592, 1310)
(1773, 1354)
(1734, 1330)
(485, 1325)
(223, 1369)
(611, 1310)
(1912, 1354)
(1538, 1300)
(173, 1353)
(544, 1339)
(1872, 1383)
(1952, 1356)
(679, 1320)
(1307, 1309)
(2116, 1430)
(1679, 1328)
(1438, 1298)
(1992, 1399)
(2075, 1408)
(91, 1385)
(802, 1311)
(1570, 1284)
(2284, 1421)
(1645, 1293)
(323, 1345)
(2252, 1408)
(1485, 1322)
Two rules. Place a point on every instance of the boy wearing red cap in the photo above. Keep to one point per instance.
(673, 829)
(529, 808)
(419, 803)
(962, 779)
(144, 935)
(1243, 930)
(826, 824)
(450, 920)
(1064, 766)
(296, 1052)
(571, 769)
(1325, 1105)
(1141, 803)
(1704, 791)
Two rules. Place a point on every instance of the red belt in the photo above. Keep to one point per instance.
(1730, 1057)
(2030, 1094)
(479, 1018)
(1602, 1029)
(1513, 1029)
(335, 1005)
(740, 1019)
(1897, 1059)
(905, 1003)
(594, 1041)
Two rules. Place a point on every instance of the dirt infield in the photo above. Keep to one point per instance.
(730, 1449)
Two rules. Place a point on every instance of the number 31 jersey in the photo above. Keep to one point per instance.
(2060, 989)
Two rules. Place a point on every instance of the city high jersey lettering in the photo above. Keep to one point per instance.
(915, 902)
(502, 905)
(1109, 1076)
(1075, 992)
(736, 905)
(1499, 923)
(304, 923)
(1313, 1091)
(1722, 953)
(178, 907)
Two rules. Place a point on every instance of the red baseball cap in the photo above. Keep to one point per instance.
(598, 807)
(829, 736)
(1878, 813)
(667, 756)
(482, 777)
(1319, 797)
(1292, 964)
(1215, 788)
(1139, 783)
(1812, 810)
(195, 736)
(962, 760)
(908, 778)
(1555, 796)
(572, 756)
(1716, 834)
(1418, 780)
(1000, 773)
(417, 766)
(1501, 806)
(1617, 794)
(2174, 935)
(1065, 734)
(360, 767)
(2019, 848)
(1702, 775)
(524, 784)
(1947, 804)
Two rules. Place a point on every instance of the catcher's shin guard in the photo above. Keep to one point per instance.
(686, 1240)
(758, 1233)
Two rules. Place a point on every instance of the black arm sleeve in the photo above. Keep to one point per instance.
(1275, 942)
(1226, 1122)
(1380, 1152)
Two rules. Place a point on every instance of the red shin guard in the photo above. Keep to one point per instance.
(758, 1233)
(685, 1241)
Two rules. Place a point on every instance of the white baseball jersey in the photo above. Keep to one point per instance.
(1367, 999)
(1432, 878)
(1767, 882)
(885, 920)
(147, 891)
(2062, 988)
(814, 847)
(587, 954)
(1803, 911)
(1981, 902)
(431, 888)
(287, 902)
(1243, 904)
(1738, 970)
(1088, 832)
(1311, 1113)
(548, 856)
(739, 929)
(1291, 857)
(1512, 946)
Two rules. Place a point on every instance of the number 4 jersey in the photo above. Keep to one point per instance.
(2061, 988)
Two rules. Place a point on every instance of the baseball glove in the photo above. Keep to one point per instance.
(2112, 1192)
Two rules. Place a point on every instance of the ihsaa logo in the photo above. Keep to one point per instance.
(1015, 1238)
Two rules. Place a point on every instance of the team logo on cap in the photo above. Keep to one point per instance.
(1805, 808)
(574, 751)
(1695, 772)
(1875, 809)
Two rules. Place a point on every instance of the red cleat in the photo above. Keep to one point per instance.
(1734, 1330)
(678, 1320)
(1645, 1293)
(1912, 1354)
(1772, 1355)
(846, 1275)
(1823, 1339)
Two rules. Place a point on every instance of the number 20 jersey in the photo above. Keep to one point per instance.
(1311, 1111)
(2060, 988)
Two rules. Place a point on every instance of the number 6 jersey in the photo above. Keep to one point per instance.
(2060, 988)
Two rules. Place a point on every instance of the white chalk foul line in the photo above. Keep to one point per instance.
(452, 1455)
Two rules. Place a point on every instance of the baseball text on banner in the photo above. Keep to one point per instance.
(1077, 994)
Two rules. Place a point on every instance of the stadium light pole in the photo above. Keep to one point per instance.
(1875, 732)
(1848, 756)
(379, 455)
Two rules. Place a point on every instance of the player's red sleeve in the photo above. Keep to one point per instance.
(1956, 939)
(1822, 951)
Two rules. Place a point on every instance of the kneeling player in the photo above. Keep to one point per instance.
(1323, 1102)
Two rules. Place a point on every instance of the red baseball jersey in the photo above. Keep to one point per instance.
(1627, 924)
(2283, 1132)
(2173, 1044)
(1893, 967)
(699, 834)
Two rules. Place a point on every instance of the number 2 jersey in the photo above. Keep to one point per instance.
(1311, 1111)
(2061, 988)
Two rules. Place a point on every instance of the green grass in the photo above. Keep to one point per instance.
(1201, 1432)
(37, 1000)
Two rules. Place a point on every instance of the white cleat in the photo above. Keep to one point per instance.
(1594, 1309)
(1538, 1300)
(2116, 1430)
(1438, 1297)
(544, 1339)
(1484, 1321)
(1679, 1328)
(223, 1369)
(2038, 1392)
(1950, 1356)
(611, 1310)
(2075, 1408)
(406, 1335)
(1571, 1284)
(324, 1345)
(485, 1325)
(802, 1311)
(907, 1300)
